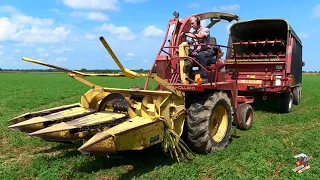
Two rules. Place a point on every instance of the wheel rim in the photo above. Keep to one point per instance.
(248, 117)
(219, 123)
(290, 102)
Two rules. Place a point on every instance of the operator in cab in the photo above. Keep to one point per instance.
(200, 35)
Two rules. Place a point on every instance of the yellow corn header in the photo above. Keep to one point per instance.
(108, 119)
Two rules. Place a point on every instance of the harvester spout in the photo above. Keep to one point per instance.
(128, 73)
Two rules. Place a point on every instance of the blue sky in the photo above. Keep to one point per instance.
(66, 32)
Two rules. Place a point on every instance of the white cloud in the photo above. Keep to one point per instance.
(93, 16)
(90, 37)
(122, 32)
(135, 1)
(303, 35)
(8, 29)
(227, 8)
(61, 50)
(8, 9)
(194, 5)
(145, 61)
(42, 52)
(17, 50)
(316, 11)
(153, 31)
(24, 44)
(29, 20)
(30, 29)
(1, 52)
(41, 35)
(97, 16)
(131, 55)
(61, 59)
(92, 4)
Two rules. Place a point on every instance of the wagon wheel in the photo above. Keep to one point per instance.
(285, 102)
(296, 95)
(209, 125)
(246, 116)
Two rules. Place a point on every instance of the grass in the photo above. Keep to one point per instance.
(264, 152)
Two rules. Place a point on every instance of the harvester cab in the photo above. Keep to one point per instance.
(175, 51)
(108, 120)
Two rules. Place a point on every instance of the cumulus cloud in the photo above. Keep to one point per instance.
(94, 16)
(28, 29)
(316, 11)
(29, 20)
(92, 4)
(42, 52)
(8, 9)
(61, 50)
(61, 59)
(90, 37)
(135, 1)
(153, 31)
(36, 35)
(131, 55)
(122, 32)
(227, 8)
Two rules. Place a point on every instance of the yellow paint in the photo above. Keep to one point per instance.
(36, 123)
(61, 130)
(253, 60)
(183, 51)
(168, 105)
(252, 76)
(136, 134)
(251, 81)
(218, 123)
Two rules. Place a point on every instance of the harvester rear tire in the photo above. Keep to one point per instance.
(246, 116)
(296, 95)
(199, 120)
(285, 102)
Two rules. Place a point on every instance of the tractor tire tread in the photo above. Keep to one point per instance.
(198, 119)
(243, 109)
(296, 95)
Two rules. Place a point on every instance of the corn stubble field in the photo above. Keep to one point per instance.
(264, 152)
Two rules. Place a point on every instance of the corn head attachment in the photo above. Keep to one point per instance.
(108, 119)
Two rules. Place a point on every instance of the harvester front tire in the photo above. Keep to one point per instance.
(296, 95)
(200, 118)
(285, 102)
(246, 116)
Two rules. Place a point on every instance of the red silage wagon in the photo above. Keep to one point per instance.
(269, 60)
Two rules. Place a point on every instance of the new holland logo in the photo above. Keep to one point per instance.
(189, 88)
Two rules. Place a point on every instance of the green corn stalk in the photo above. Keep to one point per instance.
(177, 148)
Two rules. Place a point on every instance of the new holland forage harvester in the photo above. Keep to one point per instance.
(269, 56)
(108, 120)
